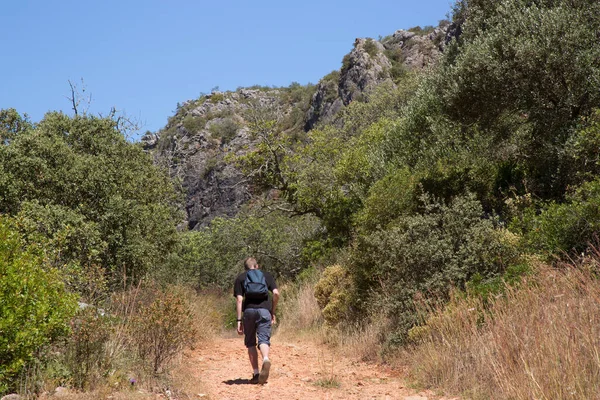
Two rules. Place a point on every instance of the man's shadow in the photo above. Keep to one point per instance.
(238, 381)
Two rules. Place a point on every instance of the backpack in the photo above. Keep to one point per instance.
(255, 285)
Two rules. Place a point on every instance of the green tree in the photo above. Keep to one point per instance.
(82, 172)
(212, 257)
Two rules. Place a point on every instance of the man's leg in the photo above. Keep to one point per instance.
(253, 356)
(263, 331)
(264, 350)
(251, 318)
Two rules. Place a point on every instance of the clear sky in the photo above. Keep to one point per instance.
(143, 57)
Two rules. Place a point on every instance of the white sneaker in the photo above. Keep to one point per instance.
(264, 372)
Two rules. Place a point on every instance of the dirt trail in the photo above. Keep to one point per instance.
(300, 370)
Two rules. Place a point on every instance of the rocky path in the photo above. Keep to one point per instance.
(300, 370)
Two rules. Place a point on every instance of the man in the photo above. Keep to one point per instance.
(258, 316)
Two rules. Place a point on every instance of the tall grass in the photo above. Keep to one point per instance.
(298, 310)
(301, 316)
(540, 340)
(136, 341)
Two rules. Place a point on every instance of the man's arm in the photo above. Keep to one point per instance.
(238, 313)
(275, 300)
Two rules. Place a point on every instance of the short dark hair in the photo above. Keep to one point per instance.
(249, 263)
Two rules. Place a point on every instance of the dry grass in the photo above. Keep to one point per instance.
(538, 341)
(298, 311)
(189, 319)
(357, 341)
(302, 317)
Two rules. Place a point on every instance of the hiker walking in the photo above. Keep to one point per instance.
(251, 290)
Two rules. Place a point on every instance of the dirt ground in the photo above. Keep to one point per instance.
(300, 370)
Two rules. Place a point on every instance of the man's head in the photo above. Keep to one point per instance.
(250, 263)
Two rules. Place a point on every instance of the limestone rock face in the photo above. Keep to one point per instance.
(326, 102)
(365, 67)
(373, 62)
(195, 147)
(199, 142)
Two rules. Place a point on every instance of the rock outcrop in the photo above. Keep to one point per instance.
(371, 63)
(195, 147)
(204, 135)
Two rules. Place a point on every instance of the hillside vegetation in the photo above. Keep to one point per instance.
(442, 188)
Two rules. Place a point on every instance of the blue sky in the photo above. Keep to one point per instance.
(143, 57)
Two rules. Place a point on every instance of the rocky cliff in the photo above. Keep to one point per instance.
(205, 135)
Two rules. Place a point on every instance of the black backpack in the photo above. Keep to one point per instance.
(255, 285)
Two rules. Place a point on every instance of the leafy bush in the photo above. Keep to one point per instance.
(426, 254)
(107, 189)
(193, 124)
(12, 124)
(34, 305)
(346, 63)
(563, 229)
(422, 31)
(370, 47)
(390, 197)
(225, 130)
(212, 257)
(334, 294)
(217, 97)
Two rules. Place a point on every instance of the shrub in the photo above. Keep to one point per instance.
(346, 63)
(34, 305)
(370, 47)
(334, 294)
(216, 97)
(393, 195)
(86, 356)
(163, 327)
(422, 31)
(563, 229)
(84, 169)
(212, 257)
(424, 255)
(225, 130)
(193, 124)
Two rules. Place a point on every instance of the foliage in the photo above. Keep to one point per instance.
(12, 124)
(224, 129)
(79, 176)
(563, 228)
(194, 124)
(86, 357)
(394, 195)
(298, 97)
(346, 64)
(582, 149)
(217, 97)
(496, 77)
(422, 31)
(212, 257)
(425, 254)
(333, 292)
(163, 327)
(370, 47)
(34, 306)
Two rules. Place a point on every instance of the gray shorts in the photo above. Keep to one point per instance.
(257, 322)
